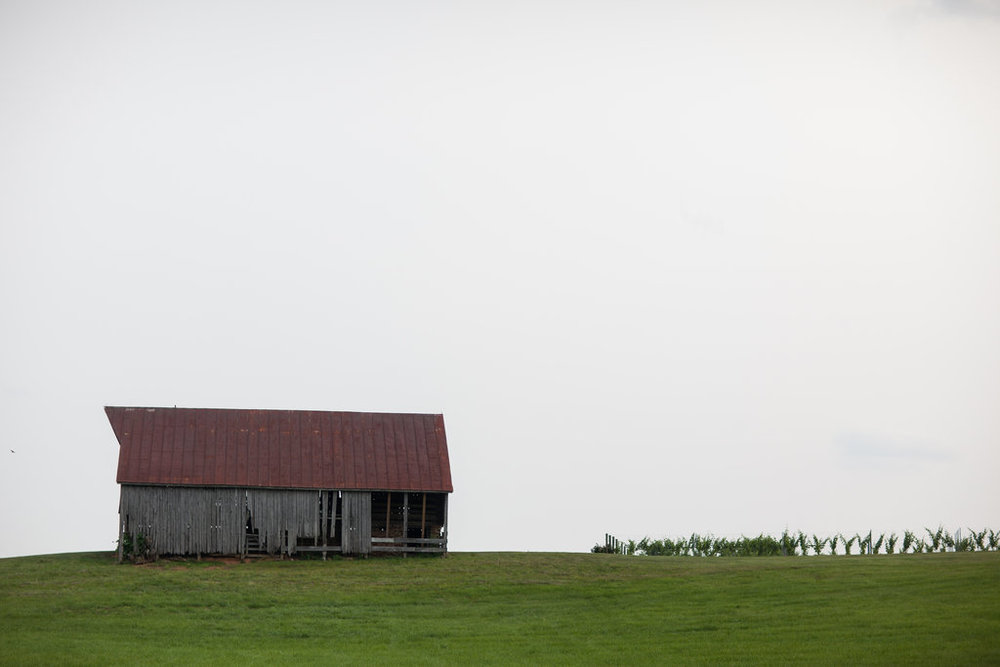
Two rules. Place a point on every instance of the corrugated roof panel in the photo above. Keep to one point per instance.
(284, 455)
(343, 469)
(155, 453)
(370, 471)
(187, 445)
(375, 452)
(389, 442)
(274, 446)
(433, 466)
(252, 476)
(230, 462)
(404, 457)
(229, 438)
(420, 452)
(442, 453)
(354, 444)
(205, 441)
(360, 445)
(319, 455)
(323, 460)
(239, 470)
(216, 439)
(145, 427)
(133, 427)
(309, 451)
(281, 449)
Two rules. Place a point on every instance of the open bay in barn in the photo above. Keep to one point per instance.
(502, 608)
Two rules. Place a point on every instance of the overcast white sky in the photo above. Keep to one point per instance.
(665, 267)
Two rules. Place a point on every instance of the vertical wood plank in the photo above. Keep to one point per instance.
(121, 525)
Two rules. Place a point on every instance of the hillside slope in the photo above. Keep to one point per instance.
(502, 608)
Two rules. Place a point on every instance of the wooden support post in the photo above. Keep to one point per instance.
(121, 538)
(423, 515)
(322, 517)
(388, 506)
(406, 517)
(336, 512)
(243, 529)
(406, 514)
(322, 520)
(444, 529)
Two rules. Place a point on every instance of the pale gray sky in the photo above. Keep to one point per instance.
(665, 267)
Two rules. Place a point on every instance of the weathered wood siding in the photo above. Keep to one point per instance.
(357, 522)
(282, 516)
(200, 520)
(177, 520)
(193, 520)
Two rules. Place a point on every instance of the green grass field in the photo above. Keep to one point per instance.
(523, 608)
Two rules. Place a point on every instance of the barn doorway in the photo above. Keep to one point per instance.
(409, 521)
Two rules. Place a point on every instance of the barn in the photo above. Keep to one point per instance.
(238, 482)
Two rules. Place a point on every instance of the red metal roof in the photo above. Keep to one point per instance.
(281, 448)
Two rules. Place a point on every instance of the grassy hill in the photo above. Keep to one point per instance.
(503, 608)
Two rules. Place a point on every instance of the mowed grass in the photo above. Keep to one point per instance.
(502, 608)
